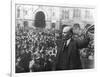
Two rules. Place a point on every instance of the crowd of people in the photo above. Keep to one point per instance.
(36, 49)
(81, 33)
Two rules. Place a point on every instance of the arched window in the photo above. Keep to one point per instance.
(40, 20)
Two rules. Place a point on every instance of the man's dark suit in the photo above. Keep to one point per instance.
(69, 58)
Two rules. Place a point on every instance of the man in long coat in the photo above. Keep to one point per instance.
(69, 55)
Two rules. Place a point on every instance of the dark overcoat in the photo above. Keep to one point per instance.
(69, 56)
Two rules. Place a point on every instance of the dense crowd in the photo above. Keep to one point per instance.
(36, 49)
(37, 46)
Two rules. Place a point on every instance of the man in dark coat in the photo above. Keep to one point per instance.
(25, 59)
(69, 55)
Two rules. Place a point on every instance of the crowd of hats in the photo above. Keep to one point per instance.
(34, 41)
(41, 44)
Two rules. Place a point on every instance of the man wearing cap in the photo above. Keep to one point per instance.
(69, 56)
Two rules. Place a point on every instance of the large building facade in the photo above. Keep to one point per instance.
(50, 17)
